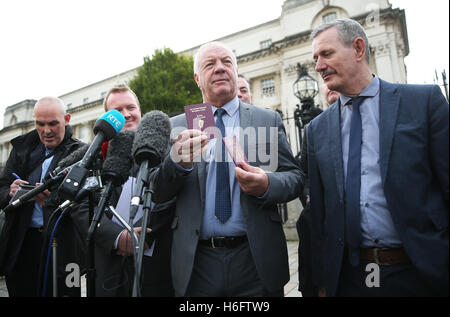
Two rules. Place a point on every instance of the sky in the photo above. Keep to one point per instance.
(52, 47)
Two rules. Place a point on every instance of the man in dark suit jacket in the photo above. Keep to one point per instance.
(33, 155)
(241, 251)
(303, 224)
(378, 170)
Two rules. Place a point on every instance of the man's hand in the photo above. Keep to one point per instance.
(124, 245)
(15, 186)
(188, 146)
(41, 198)
(252, 180)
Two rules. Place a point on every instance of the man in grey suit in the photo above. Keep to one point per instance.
(228, 238)
(378, 171)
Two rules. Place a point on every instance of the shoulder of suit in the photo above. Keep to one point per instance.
(257, 109)
(407, 88)
(179, 120)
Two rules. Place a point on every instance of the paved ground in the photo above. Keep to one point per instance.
(290, 290)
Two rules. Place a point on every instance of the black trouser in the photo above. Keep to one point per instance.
(226, 272)
(398, 280)
(23, 279)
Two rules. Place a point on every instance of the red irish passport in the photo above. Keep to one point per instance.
(235, 150)
(200, 117)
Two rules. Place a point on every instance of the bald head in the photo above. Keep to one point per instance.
(53, 101)
(51, 120)
(206, 47)
(215, 72)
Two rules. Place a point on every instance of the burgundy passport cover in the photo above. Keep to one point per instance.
(200, 117)
(235, 150)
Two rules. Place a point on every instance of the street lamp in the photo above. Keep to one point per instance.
(305, 89)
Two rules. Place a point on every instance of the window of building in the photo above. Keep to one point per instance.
(83, 133)
(268, 87)
(329, 17)
(69, 105)
(265, 44)
(13, 120)
(85, 100)
(103, 95)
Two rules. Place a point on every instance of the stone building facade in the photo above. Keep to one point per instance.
(267, 56)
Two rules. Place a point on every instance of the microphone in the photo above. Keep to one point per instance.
(105, 128)
(149, 148)
(73, 157)
(66, 164)
(51, 178)
(116, 170)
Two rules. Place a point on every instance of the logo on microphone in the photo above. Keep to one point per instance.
(115, 119)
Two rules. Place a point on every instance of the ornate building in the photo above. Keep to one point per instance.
(267, 55)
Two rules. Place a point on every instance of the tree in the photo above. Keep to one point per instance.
(166, 82)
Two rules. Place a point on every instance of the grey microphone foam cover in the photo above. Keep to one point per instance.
(74, 157)
(152, 138)
(119, 159)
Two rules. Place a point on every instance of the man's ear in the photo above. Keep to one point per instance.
(67, 118)
(197, 80)
(360, 48)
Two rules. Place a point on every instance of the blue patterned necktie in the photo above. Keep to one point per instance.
(353, 185)
(223, 200)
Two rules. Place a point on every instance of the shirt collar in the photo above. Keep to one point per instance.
(230, 107)
(48, 151)
(370, 91)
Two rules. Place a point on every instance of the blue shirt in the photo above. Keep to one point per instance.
(211, 226)
(377, 227)
(37, 219)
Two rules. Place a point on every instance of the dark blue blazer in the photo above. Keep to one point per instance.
(414, 159)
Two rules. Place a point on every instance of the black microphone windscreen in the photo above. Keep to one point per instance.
(109, 124)
(152, 138)
(108, 131)
(74, 157)
(119, 160)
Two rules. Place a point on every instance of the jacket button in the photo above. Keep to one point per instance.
(197, 232)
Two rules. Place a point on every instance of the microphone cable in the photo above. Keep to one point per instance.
(44, 287)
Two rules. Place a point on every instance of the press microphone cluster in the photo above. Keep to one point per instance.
(52, 178)
(150, 145)
(74, 168)
(105, 129)
(116, 170)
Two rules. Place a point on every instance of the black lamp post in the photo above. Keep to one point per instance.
(305, 89)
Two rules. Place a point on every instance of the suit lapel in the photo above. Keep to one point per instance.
(245, 120)
(336, 146)
(389, 104)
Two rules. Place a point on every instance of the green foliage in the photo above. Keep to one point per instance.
(166, 82)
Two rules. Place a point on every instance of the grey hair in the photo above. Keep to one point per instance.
(220, 44)
(349, 30)
(51, 99)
